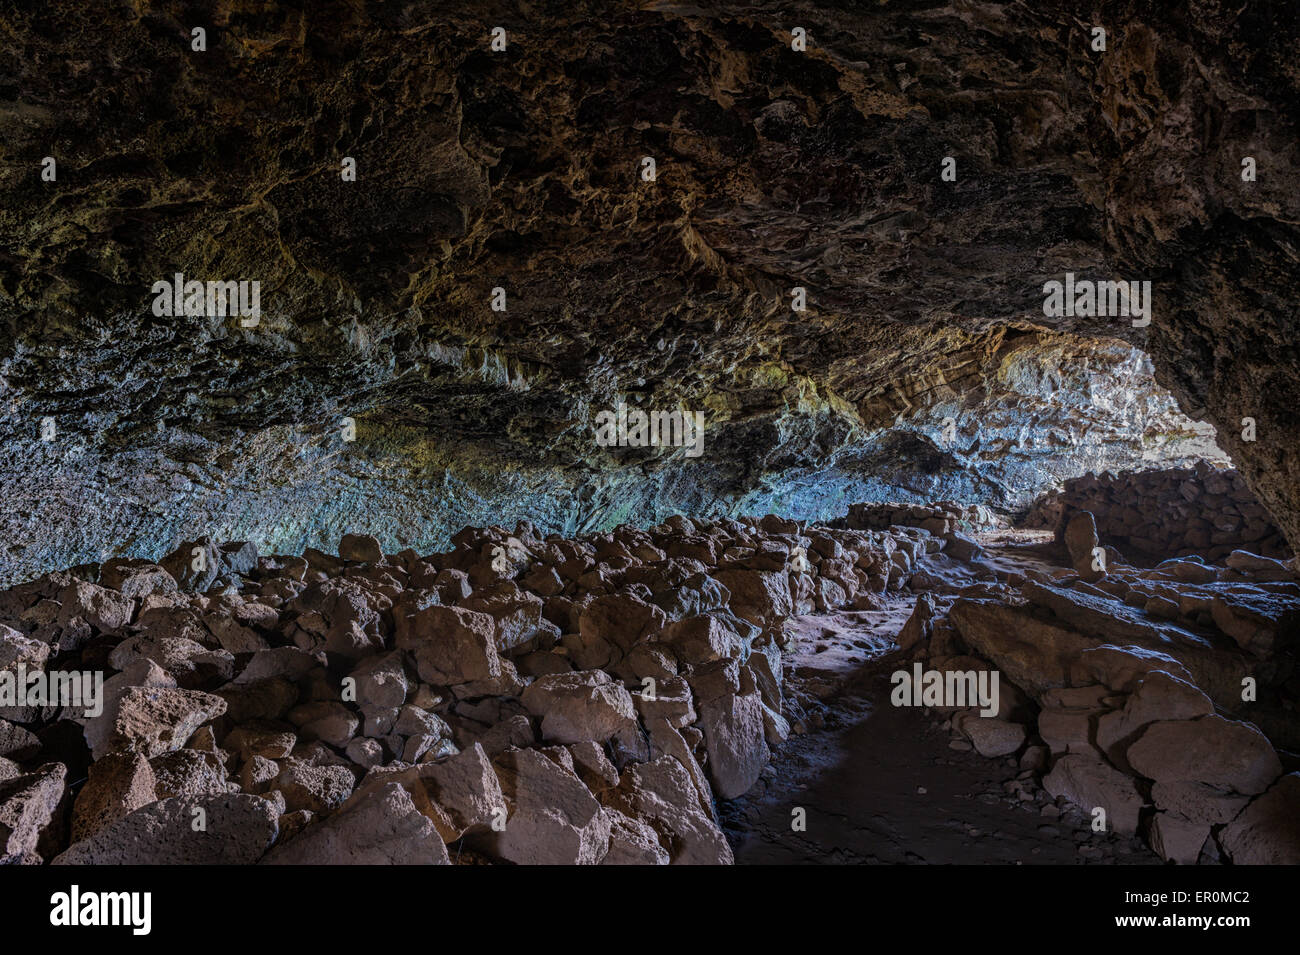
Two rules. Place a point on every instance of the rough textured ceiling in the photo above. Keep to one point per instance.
(520, 169)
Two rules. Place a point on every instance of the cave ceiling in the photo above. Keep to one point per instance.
(522, 170)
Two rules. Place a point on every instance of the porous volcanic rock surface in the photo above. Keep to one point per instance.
(520, 170)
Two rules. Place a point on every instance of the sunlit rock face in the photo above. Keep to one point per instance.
(522, 170)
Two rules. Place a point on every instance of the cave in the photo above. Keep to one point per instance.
(644, 433)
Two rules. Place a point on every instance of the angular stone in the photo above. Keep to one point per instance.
(1089, 783)
(578, 706)
(117, 785)
(991, 736)
(703, 639)
(155, 720)
(621, 620)
(360, 547)
(18, 742)
(379, 827)
(668, 740)
(271, 740)
(315, 788)
(553, 818)
(237, 830)
(632, 842)
(365, 752)
(1197, 802)
(27, 805)
(329, 722)
(1069, 729)
(289, 663)
(17, 649)
(517, 614)
(672, 701)
(735, 742)
(761, 597)
(188, 660)
(593, 766)
(1159, 697)
(381, 681)
(1212, 750)
(451, 645)
(1178, 840)
(660, 794)
(194, 565)
(465, 792)
(1268, 831)
(258, 774)
(187, 772)
(104, 609)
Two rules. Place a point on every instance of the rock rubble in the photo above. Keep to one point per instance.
(518, 699)
(1161, 701)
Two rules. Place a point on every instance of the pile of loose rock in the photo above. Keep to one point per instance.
(1165, 697)
(519, 699)
(940, 518)
(1204, 510)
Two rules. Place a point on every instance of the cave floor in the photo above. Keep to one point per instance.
(881, 784)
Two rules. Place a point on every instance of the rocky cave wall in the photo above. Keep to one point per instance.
(519, 170)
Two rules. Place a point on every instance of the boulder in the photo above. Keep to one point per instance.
(582, 705)
(27, 805)
(703, 639)
(117, 785)
(761, 597)
(1088, 782)
(464, 791)
(622, 620)
(159, 719)
(381, 681)
(381, 826)
(188, 772)
(1197, 802)
(659, 793)
(1159, 697)
(1176, 839)
(360, 547)
(516, 614)
(632, 842)
(1080, 541)
(990, 736)
(1212, 750)
(315, 788)
(451, 645)
(553, 818)
(104, 609)
(236, 830)
(735, 741)
(1268, 831)
(326, 721)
